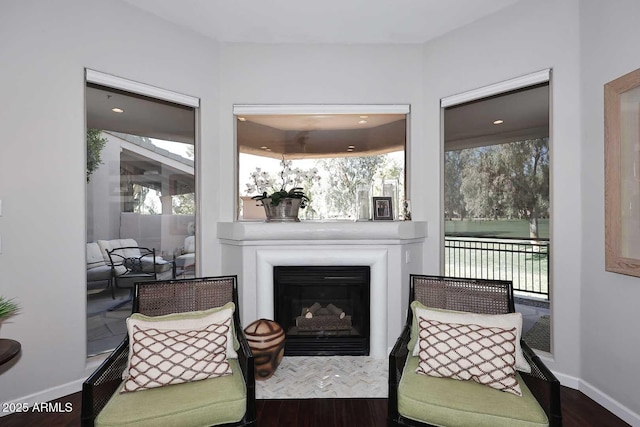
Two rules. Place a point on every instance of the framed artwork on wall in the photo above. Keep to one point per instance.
(382, 208)
(622, 174)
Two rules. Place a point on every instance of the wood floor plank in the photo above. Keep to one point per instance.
(354, 412)
(378, 409)
(270, 413)
(578, 410)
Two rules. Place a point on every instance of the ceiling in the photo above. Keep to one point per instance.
(141, 116)
(328, 21)
(525, 115)
(300, 136)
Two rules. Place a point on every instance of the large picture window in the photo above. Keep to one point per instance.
(140, 199)
(342, 157)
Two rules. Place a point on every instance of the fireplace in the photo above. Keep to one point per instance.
(324, 310)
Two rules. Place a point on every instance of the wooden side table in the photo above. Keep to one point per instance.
(8, 350)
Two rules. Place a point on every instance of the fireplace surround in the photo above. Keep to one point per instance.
(391, 249)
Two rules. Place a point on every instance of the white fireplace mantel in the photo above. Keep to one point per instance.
(322, 230)
(392, 249)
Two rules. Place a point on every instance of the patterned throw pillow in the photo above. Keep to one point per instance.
(160, 357)
(505, 321)
(469, 352)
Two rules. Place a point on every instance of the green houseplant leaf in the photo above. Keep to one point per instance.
(8, 308)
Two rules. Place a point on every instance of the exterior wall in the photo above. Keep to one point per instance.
(104, 212)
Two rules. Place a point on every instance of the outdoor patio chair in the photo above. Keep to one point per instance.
(416, 399)
(133, 264)
(227, 400)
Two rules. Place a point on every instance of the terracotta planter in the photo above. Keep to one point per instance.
(266, 339)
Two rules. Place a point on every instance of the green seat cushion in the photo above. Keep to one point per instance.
(453, 403)
(200, 403)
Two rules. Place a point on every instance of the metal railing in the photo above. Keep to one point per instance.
(523, 261)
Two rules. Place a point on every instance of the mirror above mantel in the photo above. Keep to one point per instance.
(334, 152)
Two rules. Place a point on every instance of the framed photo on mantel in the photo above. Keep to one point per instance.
(622, 174)
(382, 208)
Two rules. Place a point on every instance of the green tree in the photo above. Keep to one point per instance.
(483, 183)
(95, 144)
(184, 204)
(347, 174)
(507, 181)
(527, 163)
(454, 205)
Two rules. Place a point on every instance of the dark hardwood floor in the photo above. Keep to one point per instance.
(577, 410)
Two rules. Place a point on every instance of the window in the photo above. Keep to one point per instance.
(496, 198)
(140, 191)
(341, 159)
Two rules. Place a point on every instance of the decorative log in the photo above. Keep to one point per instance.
(335, 310)
(312, 310)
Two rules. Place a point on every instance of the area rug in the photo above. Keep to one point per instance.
(539, 336)
(326, 377)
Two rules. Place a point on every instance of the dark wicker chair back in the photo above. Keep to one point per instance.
(478, 296)
(165, 297)
(178, 296)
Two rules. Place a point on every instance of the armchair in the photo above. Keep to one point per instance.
(421, 400)
(228, 400)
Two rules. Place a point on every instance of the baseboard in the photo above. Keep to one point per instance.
(568, 380)
(619, 410)
(47, 395)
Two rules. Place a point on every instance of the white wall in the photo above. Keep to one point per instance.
(44, 50)
(610, 337)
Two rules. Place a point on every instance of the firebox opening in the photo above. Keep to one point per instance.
(324, 310)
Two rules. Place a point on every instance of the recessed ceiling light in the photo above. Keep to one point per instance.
(362, 122)
(268, 149)
(351, 147)
(242, 119)
(264, 148)
(364, 117)
(117, 110)
(498, 122)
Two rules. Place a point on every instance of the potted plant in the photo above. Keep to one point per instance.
(280, 205)
(8, 308)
